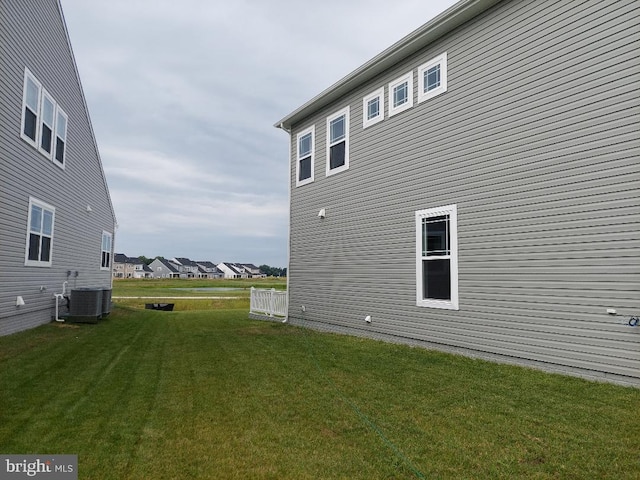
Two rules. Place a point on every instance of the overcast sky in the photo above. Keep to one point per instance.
(183, 96)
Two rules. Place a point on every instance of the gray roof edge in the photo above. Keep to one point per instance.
(435, 28)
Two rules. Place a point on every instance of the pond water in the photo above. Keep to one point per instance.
(210, 289)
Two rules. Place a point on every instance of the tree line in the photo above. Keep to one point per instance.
(273, 271)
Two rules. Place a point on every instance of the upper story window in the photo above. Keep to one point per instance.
(30, 108)
(338, 142)
(437, 257)
(105, 261)
(305, 145)
(401, 94)
(373, 108)
(39, 234)
(432, 78)
(44, 123)
(48, 112)
(61, 137)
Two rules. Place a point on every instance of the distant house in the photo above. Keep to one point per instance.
(129, 267)
(252, 270)
(474, 188)
(164, 269)
(57, 221)
(186, 267)
(208, 270)
(233, 270)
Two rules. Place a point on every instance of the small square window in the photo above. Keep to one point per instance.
(401, 94)
(373, 108)
(338, 142)
(432, 78)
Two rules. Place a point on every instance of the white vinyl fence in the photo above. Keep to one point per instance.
(268, 301)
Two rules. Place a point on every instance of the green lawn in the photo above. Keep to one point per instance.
(211, 394)
(138, 292)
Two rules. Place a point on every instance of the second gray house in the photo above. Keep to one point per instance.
(474, 189)
(57, 222)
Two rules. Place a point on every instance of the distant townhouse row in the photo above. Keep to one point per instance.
(179, 267)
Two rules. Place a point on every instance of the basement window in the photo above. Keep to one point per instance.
(437, 257)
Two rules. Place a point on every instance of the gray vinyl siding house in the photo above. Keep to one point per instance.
(56, 218)
(475, 188)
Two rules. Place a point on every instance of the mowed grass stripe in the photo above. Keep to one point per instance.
(211, 394)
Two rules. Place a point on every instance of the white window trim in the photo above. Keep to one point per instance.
(367, 122)
(102, 250)
(311, 130)
(452, 211)
(44, 206)
(439, 60)
(62, 164)
(330, 118)
(408, 78)
(29, 75)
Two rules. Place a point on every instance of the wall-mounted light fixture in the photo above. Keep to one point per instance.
(322, 213)
(367, 319)
(19, 301)
(89, 209)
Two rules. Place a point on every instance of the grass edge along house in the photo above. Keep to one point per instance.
(474, 189)
(57, 222)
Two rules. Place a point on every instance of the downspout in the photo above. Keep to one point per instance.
(282, 127)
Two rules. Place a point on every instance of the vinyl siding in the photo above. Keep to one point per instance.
(537, 142)
(35, 37)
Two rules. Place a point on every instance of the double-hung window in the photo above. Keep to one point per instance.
(30, 109)
(305, 148)
(432, 78)
(105, 261)
(61, 137)
(437, 257)
(401, 94)
(373, 108)
(48, 112)
(44, 123)
(338, 142)
(39, 234)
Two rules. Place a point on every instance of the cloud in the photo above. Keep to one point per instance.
(183, 96)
